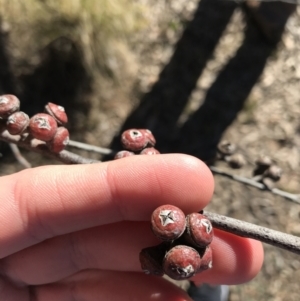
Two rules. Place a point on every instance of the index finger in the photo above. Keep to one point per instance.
(48, 201)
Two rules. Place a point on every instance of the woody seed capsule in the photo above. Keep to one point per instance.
(136, 139)
(199, 230)
(151, 259)
(8, 105)
(206, 260)
(168, 222)
(149, 151)
(59, 141)
(123, 154)
(17, 123)
(57, 112)
(181, 262)
(42, 126)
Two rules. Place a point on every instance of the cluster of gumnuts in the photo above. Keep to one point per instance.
(137, 142)
(266, 171)
(185, 249)
(47, 127)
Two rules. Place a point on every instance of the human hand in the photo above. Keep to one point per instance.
(75, 232)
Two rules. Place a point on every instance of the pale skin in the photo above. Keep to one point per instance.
(73, 233)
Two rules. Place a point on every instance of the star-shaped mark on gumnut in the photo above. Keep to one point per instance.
(166, 217)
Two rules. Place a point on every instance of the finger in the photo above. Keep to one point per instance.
(10, 292)
(113, 286)
(49, 201)
(116, 247)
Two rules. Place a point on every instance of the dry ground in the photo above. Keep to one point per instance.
(249, 87)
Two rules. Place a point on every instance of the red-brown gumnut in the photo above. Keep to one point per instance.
(206, 260)
(123, 154)
(168, 222)
(42, 126)
(137, 139)
(134, 140)
(199, 230)
(59, 141)
(149, 151)
(181, 262)
(8, 105)
(151, 259)
(57, 112)
(149, 135)
(17, 123)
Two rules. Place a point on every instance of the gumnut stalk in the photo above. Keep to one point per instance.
(199, 230)
(181, 262)
(42, 126)
(137, 139)
(8, 105)
(57, 112)
(151, 259)
(168, 222)
(59, 141)
(123, 154)
(16, 123)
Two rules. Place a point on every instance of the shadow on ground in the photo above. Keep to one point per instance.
(159, 110)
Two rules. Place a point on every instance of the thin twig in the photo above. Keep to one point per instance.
(40, 147)
(275, 238)
(91, 148)
(15, 150)
(289, 196)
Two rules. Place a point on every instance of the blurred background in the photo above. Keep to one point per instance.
(193, 72)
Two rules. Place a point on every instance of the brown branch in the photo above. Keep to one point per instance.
(275, 238)
(19, 157)
(91, 148)
(289, 196)
(40, 147)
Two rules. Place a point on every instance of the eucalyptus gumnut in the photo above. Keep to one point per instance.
(206, 260)
(151, 259)
(17, 123)
(137, 139)
(199, 230)
(42, 126)
(226, 148)
(236, 161)
(262, 164)
(168, 222)
(123, 154)
(181, 262)
(59, 141)
(149, 151)
(8, 105)
(274, 172)
(57, 112)
(150, 136)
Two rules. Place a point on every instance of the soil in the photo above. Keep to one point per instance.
(198, 74)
